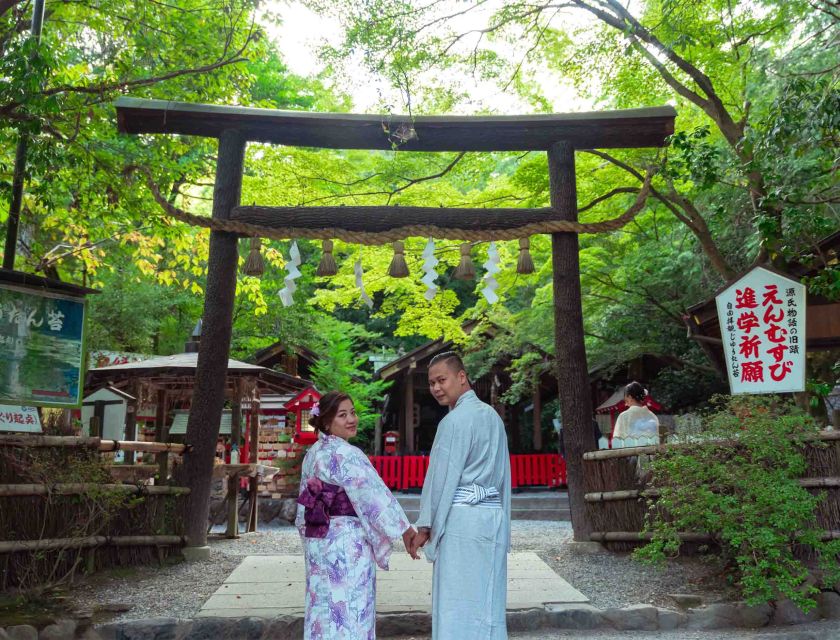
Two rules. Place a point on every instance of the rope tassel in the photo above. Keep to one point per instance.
(399, 267)
(254, 264)
(525, 264)
(327, 266)
(465, 269)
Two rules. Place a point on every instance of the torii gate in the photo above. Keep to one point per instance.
(557, 134)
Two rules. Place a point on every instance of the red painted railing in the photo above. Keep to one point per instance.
(535, 470)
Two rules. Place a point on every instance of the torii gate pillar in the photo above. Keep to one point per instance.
(569, 346)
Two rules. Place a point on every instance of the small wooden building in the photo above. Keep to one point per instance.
(411, 410)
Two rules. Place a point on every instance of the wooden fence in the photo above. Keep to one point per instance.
(61, 510)
(536, 470)
(615, 486)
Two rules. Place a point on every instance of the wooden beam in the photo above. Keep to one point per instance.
(570, 349)
(376, 219)
(625, 128)
(214, 348)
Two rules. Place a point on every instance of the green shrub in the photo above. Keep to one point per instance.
(738, 483)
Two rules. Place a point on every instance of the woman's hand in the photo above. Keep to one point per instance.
(408, 540)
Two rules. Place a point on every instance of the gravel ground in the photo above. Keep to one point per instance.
(178, 591)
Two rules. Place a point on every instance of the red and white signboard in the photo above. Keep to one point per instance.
(17, 418)
(762, 323)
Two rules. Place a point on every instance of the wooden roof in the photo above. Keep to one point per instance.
(626, 128)
(31, 281)
(178, 372)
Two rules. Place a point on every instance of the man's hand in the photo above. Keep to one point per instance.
(408, 540)
(420, 538)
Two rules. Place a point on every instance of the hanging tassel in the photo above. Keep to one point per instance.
(398, 268)
(327, 266)
(525, 264)
(254, 264)
(465, 269)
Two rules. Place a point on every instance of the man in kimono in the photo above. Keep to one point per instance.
(464, 522)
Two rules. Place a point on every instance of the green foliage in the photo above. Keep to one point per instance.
(739, 485)
(340, 369)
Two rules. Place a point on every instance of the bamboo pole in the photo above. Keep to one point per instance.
(627, 452)
(16, 440)
(641, 536)
(644, 536)
(33, 441)
(17, 490)
(14, 546)
(142, 541)
(631, 494)
(145, 447)
(820, 482)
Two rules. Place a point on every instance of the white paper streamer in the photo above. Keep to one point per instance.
(357, 269)
(492, 268)
(287, 292)
(430, 275)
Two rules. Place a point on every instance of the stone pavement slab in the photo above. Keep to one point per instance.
(268, 586)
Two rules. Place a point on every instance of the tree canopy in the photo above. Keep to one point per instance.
(750, 174)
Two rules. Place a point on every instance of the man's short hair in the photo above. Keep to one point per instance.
(451, 359)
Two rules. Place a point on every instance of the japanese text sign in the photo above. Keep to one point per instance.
(15, 418)
(41, 347)
(762, 323)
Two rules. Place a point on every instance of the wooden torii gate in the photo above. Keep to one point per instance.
(558, 135)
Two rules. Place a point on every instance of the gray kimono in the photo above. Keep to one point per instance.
(470, 539)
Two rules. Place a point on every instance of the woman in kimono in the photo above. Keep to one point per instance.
(637, 421)
(348, 520)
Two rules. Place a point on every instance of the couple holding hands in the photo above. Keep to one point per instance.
(349, 519)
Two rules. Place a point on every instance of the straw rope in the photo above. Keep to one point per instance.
(397, 233)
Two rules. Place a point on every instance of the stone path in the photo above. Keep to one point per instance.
(267, 586)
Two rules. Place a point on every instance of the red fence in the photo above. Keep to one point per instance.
(534, 470)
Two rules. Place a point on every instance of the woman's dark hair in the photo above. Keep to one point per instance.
(636, 391)
(327, 408)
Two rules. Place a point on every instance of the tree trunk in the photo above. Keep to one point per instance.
(570, 351)
(214, 348)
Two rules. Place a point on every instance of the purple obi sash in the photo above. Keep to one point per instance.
(323, 500)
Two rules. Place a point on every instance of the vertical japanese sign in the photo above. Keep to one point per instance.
(762, 323)
(41, 347)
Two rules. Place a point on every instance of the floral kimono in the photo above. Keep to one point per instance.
(348, 520)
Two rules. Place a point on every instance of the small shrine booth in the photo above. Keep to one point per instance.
(167, 382)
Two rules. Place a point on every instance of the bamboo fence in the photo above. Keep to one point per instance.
(617, 497)
(61, 511)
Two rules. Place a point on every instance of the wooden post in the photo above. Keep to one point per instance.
(162, 435)
(253, 483)
(538, 444)
(214, 348)
(570, 350)
(408, 445)
(377, 436)
(95, 427)
(131, 409)
(233, 506)
(99, 414)
(235, 439)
